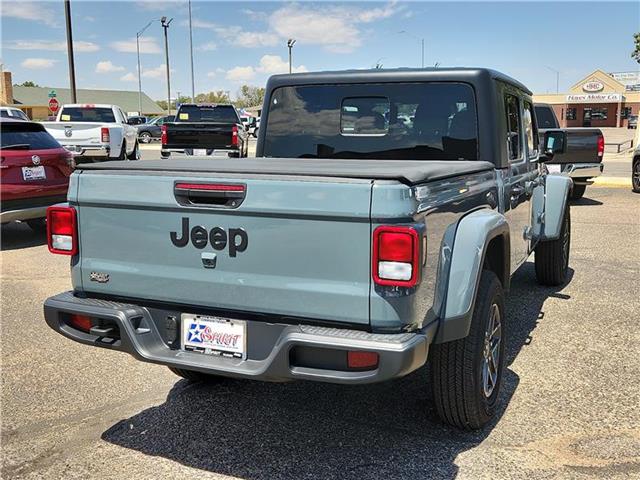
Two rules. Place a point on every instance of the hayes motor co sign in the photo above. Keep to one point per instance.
(595, 98)
(593, 86)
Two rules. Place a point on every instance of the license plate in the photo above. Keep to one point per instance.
(199, 152)
(33, 173)
(554, 168)
(214, 335)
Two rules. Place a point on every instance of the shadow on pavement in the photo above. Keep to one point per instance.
(584, 201)
(257, 430)
(16, 235)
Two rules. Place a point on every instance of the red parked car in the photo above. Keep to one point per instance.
(34, 172)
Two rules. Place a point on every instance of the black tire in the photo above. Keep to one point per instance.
(578, 191)
(552, 256)
(255, 133)
(38, 225)
(635, 175)
(194, 376)
(145, 137)
(123, 152)
(457, 367)
(164, 155)
(135, 154)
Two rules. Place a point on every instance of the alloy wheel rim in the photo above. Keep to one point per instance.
(565, 246)
(636, 175)
(491, 351)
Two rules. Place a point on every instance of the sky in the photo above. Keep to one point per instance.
(239, 43)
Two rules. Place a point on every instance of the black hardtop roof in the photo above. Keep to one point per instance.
(461, 74)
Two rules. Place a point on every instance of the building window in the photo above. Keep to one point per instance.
(599, 113)
(626, 111)
(571, 113)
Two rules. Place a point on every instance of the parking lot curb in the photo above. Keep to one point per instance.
(618, 182)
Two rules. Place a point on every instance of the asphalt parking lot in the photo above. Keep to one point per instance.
(570, 399)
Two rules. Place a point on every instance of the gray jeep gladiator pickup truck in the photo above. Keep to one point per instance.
(581, 158)
(378, 228)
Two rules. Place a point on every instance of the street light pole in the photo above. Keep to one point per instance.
(165, 26)
(193, 85)
(423, 53)
(557, 78)
(421, 43)
(138, 35)
(290, 43)
(72, 68)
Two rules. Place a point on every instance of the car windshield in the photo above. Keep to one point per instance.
(545, 117)
(207, 113)
(87, 114)
(34, 136)
(403, 121)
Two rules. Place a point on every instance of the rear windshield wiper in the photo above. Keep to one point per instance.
(16, 146)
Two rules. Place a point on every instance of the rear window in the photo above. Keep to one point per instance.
(404, 121)
(545, 117)
(29, 134)
(87, 114)
(212, 113)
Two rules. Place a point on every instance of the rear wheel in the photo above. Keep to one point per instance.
(255, 133)
(635, 176)
(194, 376)
(552, 256)
(145, 137)
(135, 155)
(123, 152)
(578, 192)
(467, 373)
(38, 225)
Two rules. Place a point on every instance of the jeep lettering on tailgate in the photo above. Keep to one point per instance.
(237, 238)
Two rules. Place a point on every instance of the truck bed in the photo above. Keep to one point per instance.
(406, 171)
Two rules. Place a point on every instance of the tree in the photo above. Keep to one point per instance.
(219, 96)
(636, 50)
(249, 96)
(28, 83)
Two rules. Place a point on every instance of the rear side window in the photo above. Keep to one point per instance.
(10, 113)
(546, 117)
(87, 114)
(26, 134)
(213, 113)
(396, 121)
(514, 146)
(530, 130)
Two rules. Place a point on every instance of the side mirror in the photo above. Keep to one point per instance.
(555, 141)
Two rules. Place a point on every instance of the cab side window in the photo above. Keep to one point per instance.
(530, 130)
(514, 127)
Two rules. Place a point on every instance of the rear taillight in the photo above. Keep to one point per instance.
(62, 230)
(396, 256)
(104, 134)
(80, 322)
(234, 135)
(163, 134)
(600, 146)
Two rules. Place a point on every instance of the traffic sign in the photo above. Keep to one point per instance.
(54, 105)
(52, 94)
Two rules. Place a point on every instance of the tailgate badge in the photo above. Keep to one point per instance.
(99, 277)
(35, 159)
(67, 131)
(209, 260)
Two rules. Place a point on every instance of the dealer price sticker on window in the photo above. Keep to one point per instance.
(214, 335)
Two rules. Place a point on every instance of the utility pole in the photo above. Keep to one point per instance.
(290, 43)
(557, 78)
(165, 26)
(139, 68)
(193, 85)
(72, 68)
(423, 53)
(421, 43)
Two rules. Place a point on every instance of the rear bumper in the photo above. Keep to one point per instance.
(88, 150)
(143, 334)
(583, 170)
(211, 152)
(29, 208)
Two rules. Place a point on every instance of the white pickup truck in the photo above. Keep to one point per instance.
(95, 132)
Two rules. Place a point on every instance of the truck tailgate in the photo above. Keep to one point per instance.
(71, 133)
(199, 135)
(305, 250)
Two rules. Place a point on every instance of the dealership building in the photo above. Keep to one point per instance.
(598, 100)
